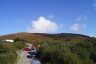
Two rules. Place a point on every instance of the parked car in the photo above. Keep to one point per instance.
(33, 46)
(27, 49)
(33, 54)
(33, 50)
(35, 62)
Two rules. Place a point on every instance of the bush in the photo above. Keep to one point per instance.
(67, 52)
(8, 51)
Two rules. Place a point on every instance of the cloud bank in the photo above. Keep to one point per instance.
(77, 26)
(43, 25)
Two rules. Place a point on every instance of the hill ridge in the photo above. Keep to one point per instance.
(26, 35)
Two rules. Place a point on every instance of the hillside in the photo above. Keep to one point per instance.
(63, 48)
(25, 35)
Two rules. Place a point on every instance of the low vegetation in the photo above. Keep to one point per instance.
(61, 48)
(8, 50)
(68, 52)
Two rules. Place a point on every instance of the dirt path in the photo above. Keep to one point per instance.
(24, 59)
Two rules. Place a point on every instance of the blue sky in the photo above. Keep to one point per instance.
(48, 16)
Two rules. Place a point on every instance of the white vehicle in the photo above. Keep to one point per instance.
(35, 62)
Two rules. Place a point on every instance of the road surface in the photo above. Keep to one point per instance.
(23, 56)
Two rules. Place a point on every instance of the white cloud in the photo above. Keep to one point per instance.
(77, 26)
(81, 18)
(43, 25)
(51, 16)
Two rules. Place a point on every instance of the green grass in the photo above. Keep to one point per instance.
(18, 58)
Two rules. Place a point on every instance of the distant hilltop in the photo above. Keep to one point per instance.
(26, 35)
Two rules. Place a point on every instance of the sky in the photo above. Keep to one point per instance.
(48, 16)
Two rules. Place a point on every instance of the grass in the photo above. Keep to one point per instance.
(18, 58)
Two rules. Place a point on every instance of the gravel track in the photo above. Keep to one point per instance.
(23, 57)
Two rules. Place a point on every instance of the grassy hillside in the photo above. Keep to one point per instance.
(39, 38)
(30, 36)
(63, 48)
(26, 35)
